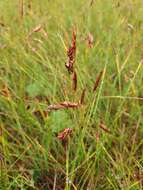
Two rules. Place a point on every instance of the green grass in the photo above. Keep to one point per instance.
(32, 68)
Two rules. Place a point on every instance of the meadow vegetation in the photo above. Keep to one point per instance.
(71, 95)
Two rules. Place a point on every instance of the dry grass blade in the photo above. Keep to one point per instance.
(2, 24)
(36, 29)
(103, 126)
(91, 2)
(74, 81)
(64, 134)
(44, 33)
(82, 96)
(63, 105)
(71, 53)
(21, 7)
(97, 137)
(30, 4)
(5, 91)
(3, 46)
(90, 40)
(97, 81)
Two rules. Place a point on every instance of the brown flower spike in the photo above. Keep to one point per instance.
(71, 53)
(63, 105)
(82, 96)
(64, 134)
(97, 81)
(74, 81)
